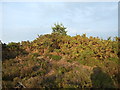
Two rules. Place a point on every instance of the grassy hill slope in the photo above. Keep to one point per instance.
(55, 60)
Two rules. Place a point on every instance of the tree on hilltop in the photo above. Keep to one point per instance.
(59, 28)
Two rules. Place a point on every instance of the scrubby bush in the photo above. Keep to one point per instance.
(55, 57)
(60, 60)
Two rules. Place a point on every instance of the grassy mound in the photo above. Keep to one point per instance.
(62, 61)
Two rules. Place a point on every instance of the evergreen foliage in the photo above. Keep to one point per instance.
(59, 28)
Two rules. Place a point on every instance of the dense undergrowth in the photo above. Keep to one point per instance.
(63, 61)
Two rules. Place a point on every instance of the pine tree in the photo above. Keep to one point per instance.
(59, 28)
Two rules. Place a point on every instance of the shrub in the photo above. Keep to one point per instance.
(55, 57)
(35, 54)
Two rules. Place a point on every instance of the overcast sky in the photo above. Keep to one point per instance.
(23, 21)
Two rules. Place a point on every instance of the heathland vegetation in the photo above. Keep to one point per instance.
(62, 61)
